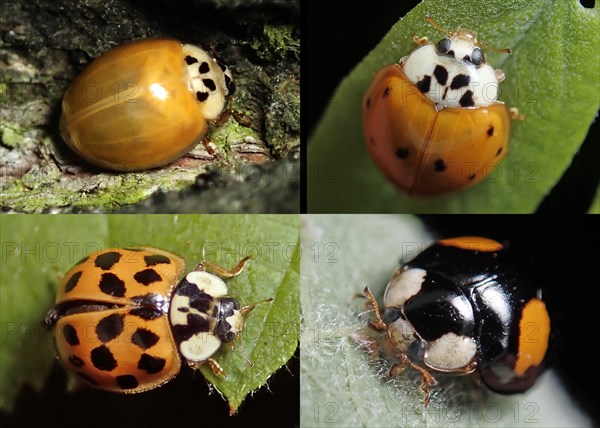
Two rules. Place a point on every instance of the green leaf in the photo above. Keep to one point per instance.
(551, 76)
(340, 387)
(35, 248)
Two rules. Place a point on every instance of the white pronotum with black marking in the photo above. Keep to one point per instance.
(447, 350)
(210, 80)
(453, 73)
(203, 316)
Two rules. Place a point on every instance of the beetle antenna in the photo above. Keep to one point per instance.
(249, 308)
(429, 19)
(483, 45)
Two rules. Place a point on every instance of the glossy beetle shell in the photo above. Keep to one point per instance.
(136, 107)
(467, 309)
(424, 151)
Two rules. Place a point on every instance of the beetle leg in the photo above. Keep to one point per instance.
(216, 368)
(514, 114)
(499, 74)
(371, 346)
(420, 40)
(399, 368)
(378, 324)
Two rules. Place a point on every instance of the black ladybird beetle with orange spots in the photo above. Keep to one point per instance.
(458, 307)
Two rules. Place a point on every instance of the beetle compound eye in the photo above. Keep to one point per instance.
(477, 56)
(443, 45)
(416, 350)
(391, 314)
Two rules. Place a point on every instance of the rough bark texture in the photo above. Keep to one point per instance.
(44, 44)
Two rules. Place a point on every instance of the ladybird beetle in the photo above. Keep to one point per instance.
(432, 122)
(459, 307)
(144, 104)
(122, 320)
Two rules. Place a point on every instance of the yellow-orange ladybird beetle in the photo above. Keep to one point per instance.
(144, 104)
(123, 320)
(432, 122)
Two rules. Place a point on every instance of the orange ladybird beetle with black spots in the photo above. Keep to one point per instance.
(144, 104)
(433, 123)
(459, 307)
(123, 321)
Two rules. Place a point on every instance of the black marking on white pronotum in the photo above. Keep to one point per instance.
(452, 78)
(202, 316)
(211, 81)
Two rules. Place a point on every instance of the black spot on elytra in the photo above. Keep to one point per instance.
(368, 103)
(86, 378)
(450, 52)
(441, 74)
(402, 153)
(201, 96)
(459, 81)
(210, 84)
(112, 285)
(223, 66)
(127, 381)
(490, 131)
(467, 58)
(156, 259)
(189, 60)
(70, 335)
(439, 165)
(107, 260)
(183, 309)
(467, 99)
(76, 361)
(147, 276)
(146, 313)
(204, 68)
(387, 91)
(499, 151)
(150, 364)
(72, 282)
(110, 327)
(103, 359)
(424, 84)
(471, 177)
(144, 338)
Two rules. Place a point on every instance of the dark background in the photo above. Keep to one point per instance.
(332, 47)
(186, 401)
(560, 255)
